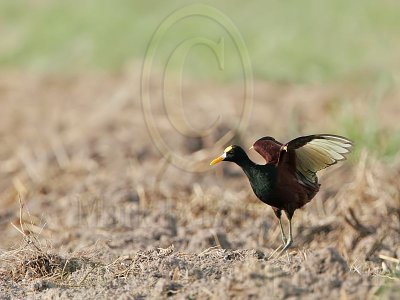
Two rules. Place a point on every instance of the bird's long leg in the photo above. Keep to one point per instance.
(278, 213)
(286, 243)
(283, 236)
(284, 239)
(289, 242)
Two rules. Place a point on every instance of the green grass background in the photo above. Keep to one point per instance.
(309, 41)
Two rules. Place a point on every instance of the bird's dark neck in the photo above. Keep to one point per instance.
(246, 164)
(262, 177)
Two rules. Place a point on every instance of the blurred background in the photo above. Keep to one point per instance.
(79, 167)
(355, 45)
(311, 42)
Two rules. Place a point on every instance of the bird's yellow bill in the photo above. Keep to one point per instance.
(217, 160)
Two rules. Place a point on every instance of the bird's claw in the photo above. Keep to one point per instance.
(285, 246)
(273, 252)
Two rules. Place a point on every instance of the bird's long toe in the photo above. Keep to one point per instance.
(287, 245)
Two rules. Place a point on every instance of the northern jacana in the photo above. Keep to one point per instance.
(288, 180)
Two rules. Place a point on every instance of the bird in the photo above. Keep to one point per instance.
(288, 180)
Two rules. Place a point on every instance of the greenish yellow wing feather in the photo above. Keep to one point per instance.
(316, 152)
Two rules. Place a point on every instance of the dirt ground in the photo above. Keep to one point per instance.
(91, 209)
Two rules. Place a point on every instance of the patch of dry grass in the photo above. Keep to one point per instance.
(105, 214)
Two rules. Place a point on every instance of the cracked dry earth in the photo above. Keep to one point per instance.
(90, 209)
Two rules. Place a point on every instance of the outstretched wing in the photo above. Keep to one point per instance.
(310, 154)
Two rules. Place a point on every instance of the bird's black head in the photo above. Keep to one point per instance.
(232, 153)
